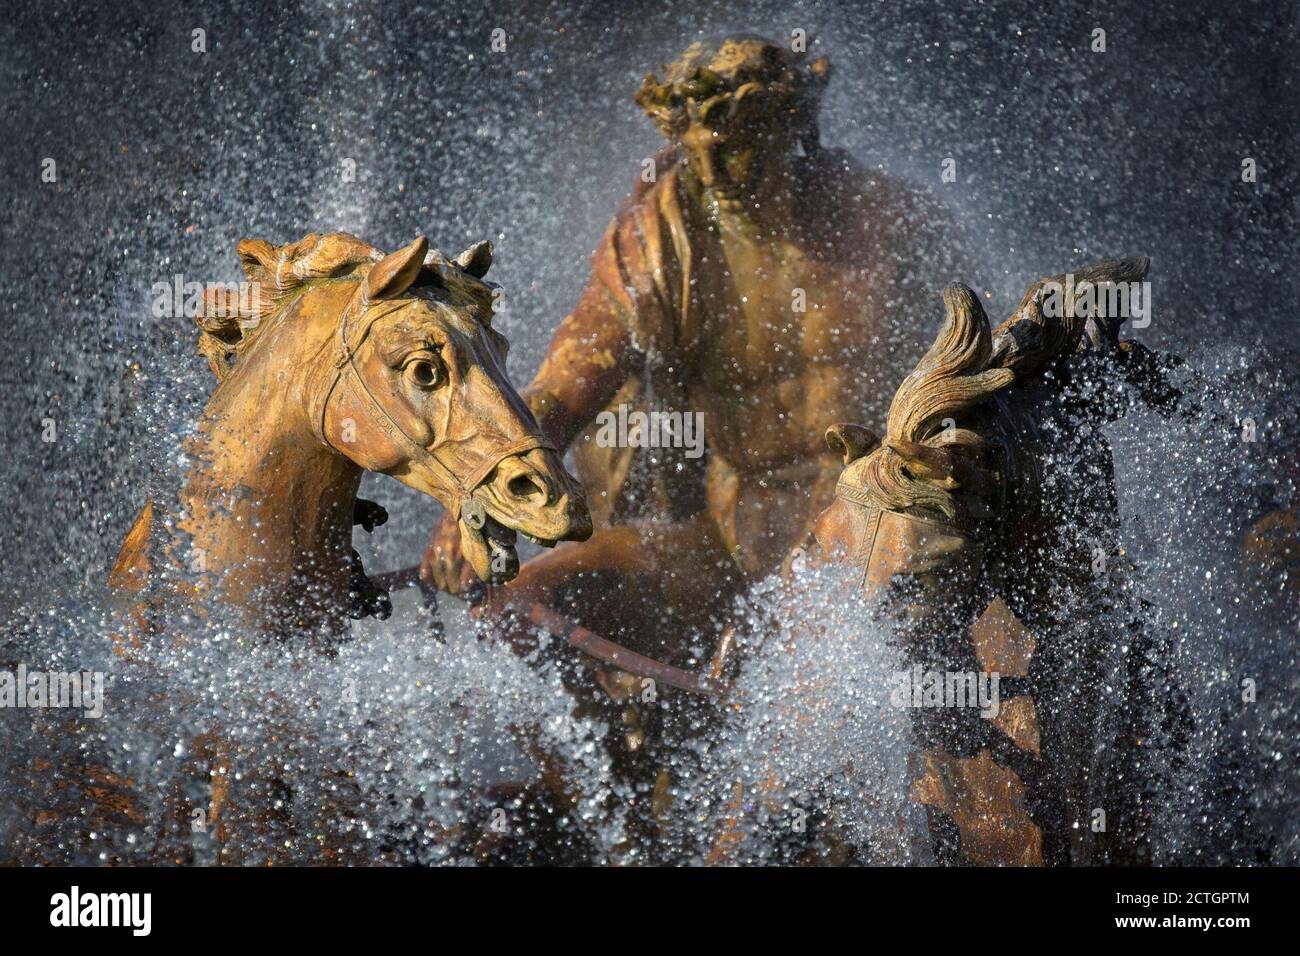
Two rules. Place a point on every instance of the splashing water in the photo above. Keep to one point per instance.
(398, 749)
(368, 755)
(812, 736)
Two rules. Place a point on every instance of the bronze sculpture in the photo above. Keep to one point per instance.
(754, 278)
(690, 303)
(758, 272)
(343, 360)
(993, 484)
(349, 360)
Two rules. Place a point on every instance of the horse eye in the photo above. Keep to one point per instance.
(423, 373)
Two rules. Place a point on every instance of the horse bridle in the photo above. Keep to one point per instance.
(579, 637)
(875, 508)
(345, 370)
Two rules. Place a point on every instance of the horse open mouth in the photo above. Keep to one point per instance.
(489, 547)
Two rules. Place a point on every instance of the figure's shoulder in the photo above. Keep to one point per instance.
(645, 236)
(657, 204)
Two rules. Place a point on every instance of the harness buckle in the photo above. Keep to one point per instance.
(473, 513)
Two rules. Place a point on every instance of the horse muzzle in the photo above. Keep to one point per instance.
(529, 494)
(888, 545)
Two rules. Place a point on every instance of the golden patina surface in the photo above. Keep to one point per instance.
(757, 278)
(344, 360)
(980, 506)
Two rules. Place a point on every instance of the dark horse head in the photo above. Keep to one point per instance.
(986, 522)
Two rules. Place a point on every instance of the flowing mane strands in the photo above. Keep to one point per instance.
(954, 375)
(914, 468)
(1031, 339)
(922, 465)
(230, 322)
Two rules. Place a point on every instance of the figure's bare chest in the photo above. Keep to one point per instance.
(770, 309)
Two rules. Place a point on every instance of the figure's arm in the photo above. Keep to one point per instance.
(628, 301)
(584, 367)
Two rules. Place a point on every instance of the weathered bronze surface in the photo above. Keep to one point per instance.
(976, 523)
(351, 361)
(759, 278)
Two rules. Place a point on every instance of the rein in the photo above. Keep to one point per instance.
(582, 639)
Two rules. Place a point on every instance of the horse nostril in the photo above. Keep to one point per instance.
(525, 486)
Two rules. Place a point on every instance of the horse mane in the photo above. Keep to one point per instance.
(232, 317)
(231, 320)
(928, 463)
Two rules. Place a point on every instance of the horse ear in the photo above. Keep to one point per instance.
(850, 441)
(393, 274)
(477, 259)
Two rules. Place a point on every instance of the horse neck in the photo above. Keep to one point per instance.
(269, 503)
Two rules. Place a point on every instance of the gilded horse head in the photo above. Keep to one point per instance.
(960, 466)
(338, 360)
